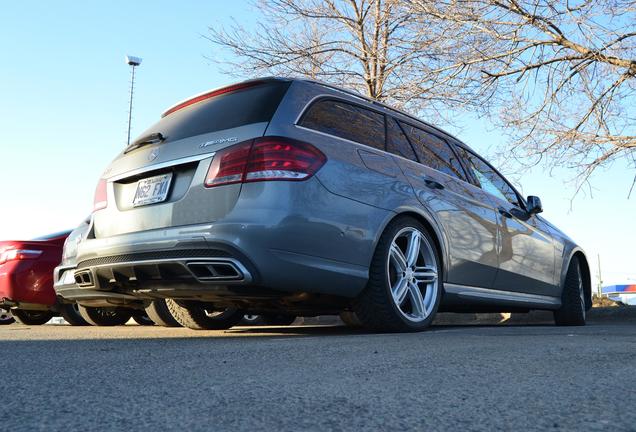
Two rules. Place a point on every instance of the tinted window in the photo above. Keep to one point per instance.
(251, 105)
(488, 178)
(52, 236)
(434, 151)
(347, 121)
(397, 143)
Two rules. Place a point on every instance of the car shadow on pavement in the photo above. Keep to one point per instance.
(27, 338)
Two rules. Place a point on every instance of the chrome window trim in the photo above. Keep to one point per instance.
(387, 115)
(368, 100)
(340, 138)
(344, 100)
(522, 201)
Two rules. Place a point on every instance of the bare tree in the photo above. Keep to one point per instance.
(558, 76)
(372, 46)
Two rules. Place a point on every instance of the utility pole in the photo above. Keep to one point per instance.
(599, 288)
(133, 62)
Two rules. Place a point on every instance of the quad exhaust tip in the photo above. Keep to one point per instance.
(204, 271)
(84, 278)
(222, 270)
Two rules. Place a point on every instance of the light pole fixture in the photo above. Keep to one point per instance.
(133, 62)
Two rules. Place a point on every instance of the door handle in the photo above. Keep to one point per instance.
(433, 184)
(505, 213)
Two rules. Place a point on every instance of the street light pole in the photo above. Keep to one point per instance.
(133, 62)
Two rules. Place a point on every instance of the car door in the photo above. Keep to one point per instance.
(439, 181)
(526, 248)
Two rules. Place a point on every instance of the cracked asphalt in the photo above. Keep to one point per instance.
(473, 378)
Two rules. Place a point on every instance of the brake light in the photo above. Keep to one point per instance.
(266, 159)
(101, 195)
(19, 254)
(209, 95)
(282, 159)
(228, 165)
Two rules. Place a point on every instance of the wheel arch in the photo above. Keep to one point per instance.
(430, 224)
(577, 253)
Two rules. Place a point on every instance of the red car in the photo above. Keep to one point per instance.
(26, 280)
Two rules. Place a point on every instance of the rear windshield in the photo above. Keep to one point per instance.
(251, 105)
(52, 236)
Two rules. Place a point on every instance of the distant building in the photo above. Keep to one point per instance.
(621, 293)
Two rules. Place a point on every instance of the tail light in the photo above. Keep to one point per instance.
(228, 165)
(264, 159)
(101, 196)
(19, 254)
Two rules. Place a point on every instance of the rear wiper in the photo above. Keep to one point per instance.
(153, 138)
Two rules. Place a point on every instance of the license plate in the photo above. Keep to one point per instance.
(152, 190)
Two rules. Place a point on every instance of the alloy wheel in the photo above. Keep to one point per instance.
(5, 316)
(412, 272)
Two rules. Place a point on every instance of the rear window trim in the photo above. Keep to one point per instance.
(323, 97)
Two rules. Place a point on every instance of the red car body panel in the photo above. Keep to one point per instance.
(31, 280)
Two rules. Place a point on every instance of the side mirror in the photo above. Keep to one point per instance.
(534, 205)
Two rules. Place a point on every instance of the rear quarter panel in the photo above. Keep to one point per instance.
(565, 249)
(353, 171)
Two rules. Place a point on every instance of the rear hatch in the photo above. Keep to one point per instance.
(158, 181)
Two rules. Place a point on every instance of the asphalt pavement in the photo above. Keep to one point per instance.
(473, 378)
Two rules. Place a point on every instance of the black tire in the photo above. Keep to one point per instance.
(572, 311)
(158, 312)
(350, 319)
(29, 317)
(375, 307)
(71, 314)
(142, 319)
(105, 316)
(6, 318)
(278, 319)
(195, 316)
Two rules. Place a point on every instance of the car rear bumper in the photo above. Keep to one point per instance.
(204, 270)
(280, 237)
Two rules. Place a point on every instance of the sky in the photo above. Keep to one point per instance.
(64, 102)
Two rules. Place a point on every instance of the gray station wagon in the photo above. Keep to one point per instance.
(294, 197)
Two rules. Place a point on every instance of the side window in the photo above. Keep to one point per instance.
(397, 143)
(488, 179)
(434, 152)
(347, 121)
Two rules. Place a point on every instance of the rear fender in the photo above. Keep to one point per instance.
(429, 221)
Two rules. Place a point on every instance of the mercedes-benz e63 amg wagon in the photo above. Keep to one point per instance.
(295, 197)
